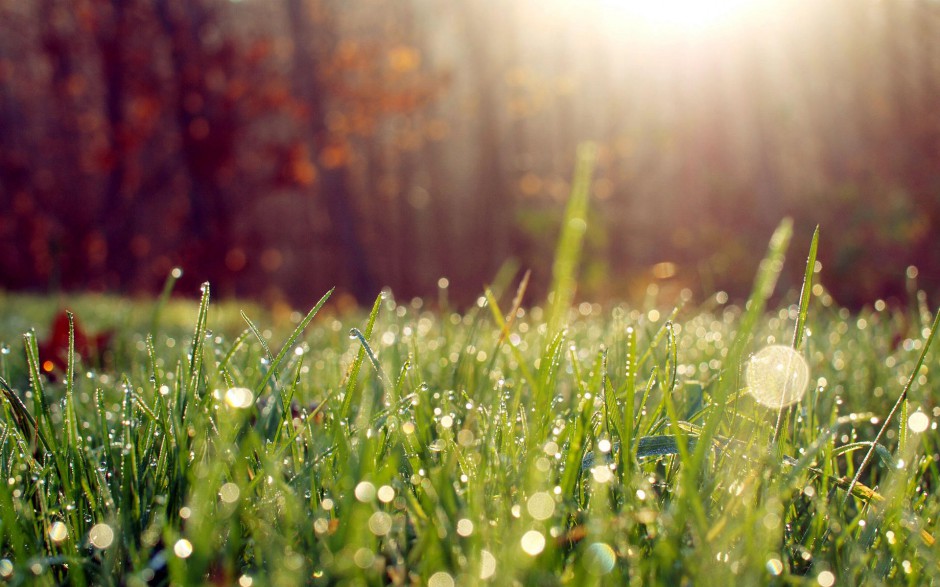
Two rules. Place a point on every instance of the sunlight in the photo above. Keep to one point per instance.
(685, 16)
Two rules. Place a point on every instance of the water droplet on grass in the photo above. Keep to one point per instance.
(229, 492)
(239, 397)
(602, 473)
(487, 564)
(101, 536)
(541, 506)
(918, 422)
(533, 542)
(774, 566)
(380, 523)
(365, 491)
(441, 579)
(58, 532)
(386, 493)
(183, 548)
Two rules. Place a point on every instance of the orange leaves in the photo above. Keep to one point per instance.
(334, 155)
(404, 59)
(53, 352)
(296, 167)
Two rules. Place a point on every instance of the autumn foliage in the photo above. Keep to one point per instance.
(280, 147)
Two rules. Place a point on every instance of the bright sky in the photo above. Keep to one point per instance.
(679, 13)
(681, 16)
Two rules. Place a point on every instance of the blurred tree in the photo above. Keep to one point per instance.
(279, 148)
(208, 122)
(314, 41)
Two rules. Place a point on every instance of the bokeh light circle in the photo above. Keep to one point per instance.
(777, 376)
(599, 558)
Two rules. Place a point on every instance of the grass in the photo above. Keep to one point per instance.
(502, 445)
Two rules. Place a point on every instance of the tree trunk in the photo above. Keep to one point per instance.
(331, 152)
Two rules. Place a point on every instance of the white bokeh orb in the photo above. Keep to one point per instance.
(777, 376)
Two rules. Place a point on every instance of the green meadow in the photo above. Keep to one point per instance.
(568, 443)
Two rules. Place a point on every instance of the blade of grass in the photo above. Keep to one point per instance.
(22, 418)
(568, 251)
(269, 357)
(900, 401)
(517, 354)
(800, 327)
(383, 379)
(516, 304)
(289, 343)
(44, 427)
(805, 291)
(352, 378)
(164, 297)
(764, 284)
(199, 341)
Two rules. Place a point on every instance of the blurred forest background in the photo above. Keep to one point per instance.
(279, 147)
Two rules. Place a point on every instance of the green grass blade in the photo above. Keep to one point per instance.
(24, 421)
(568, 251)
(44, 427)
(267, 355)
(199, 342)
(805, 291)
(71, 423)
(383, 379)
(517, 354)
(353, 376)
(897, 405)
(289, 343)
(164, 298)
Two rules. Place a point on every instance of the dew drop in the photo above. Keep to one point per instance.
(183, 548)
(386, 493)
(918, 422)
(774, 566)
(101, 536)
(365, 491)
(380, 523)
(487, 564)
(441, 579)
(533, 542)
(58, 532)
(239, 397)
(229, 493)
(541, 506)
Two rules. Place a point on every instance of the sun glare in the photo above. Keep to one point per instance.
(679, 15)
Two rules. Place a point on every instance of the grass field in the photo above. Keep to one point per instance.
(559, 445)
